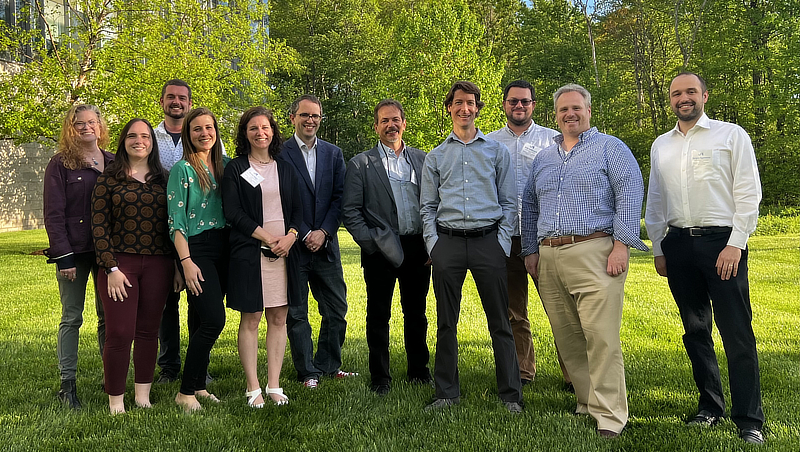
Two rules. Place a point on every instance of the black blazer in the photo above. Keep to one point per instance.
(322, 201)
(369, 210)
(243, 210)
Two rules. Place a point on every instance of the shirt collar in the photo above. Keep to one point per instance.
(478, 136)
(703, 122)
(302, 145)
(585, 135)
(385, 149)
(527, 131)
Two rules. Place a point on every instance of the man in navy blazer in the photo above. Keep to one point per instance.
(320, 168)
(381, 211)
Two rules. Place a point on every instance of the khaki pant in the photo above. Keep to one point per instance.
(584, 305)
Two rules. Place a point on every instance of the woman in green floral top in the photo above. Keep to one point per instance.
(197, 226)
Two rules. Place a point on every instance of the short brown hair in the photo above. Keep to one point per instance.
(467, 87)
(389, 103)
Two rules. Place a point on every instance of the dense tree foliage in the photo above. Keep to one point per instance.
(352, 53)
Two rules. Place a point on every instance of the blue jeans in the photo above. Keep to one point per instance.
(73, 296)
(326, 281)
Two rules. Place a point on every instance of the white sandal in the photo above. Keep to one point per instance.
(279, 391)
(252, 396)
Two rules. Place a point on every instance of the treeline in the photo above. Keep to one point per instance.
(352, 53)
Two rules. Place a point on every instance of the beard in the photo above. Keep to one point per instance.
(691, 115)
(518, 122)
(180, 115)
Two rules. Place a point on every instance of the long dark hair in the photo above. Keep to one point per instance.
(121, 166)
(243, 144)
(190, 153)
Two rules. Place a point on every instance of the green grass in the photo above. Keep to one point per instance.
(345, 415)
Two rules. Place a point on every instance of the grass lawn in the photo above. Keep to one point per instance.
(345, 415)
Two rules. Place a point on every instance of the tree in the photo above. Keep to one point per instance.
(118, 54)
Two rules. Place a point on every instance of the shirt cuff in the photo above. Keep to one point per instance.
(738, 239)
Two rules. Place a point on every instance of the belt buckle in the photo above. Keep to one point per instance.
(695, 232)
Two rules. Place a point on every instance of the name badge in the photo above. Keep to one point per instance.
(252, 177)
(529, 150)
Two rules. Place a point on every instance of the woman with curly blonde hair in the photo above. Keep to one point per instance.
(68, 184)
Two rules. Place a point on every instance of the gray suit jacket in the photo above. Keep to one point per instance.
(369, 211)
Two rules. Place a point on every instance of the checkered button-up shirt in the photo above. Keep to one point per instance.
(596, 186)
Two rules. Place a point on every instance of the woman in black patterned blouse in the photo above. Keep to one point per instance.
(132, 244)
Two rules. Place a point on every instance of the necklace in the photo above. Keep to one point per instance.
(94, 160)
(261, 162)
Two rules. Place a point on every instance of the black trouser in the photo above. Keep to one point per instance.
(209, 251)
(486, 260)
(169, 335)
(693, 279)
(414, 278)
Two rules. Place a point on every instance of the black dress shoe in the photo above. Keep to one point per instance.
(421, 380)
(703, 419)
(569, 387)
(68, 394)
(381, 389)
(165, 378)
(751, 435)
(525, 381)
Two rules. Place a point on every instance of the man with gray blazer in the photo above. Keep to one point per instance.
(380, 208)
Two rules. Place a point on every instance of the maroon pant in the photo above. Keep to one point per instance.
(136, 317)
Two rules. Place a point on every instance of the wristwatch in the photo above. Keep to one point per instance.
(111, 270)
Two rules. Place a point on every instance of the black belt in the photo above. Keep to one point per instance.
(476, 232)
(698, 232)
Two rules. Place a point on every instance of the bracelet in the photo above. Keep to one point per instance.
(293, 231)
(187, 257)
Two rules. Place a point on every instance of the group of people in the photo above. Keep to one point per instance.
(563, 207)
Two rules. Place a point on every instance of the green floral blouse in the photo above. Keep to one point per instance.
(190, 210)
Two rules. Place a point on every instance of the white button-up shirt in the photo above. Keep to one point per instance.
(310, 157)
(707, 177)
(169, 152)
(523, 149)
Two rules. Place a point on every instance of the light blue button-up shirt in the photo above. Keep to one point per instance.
(403, 181)
(595, 187)
(523, 149)
(467, 186)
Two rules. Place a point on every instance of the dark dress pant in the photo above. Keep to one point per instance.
(694, 283)
(486, 260)
(414, 278)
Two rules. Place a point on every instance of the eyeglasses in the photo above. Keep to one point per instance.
(524, 102)
(81, 124)
(314, 117)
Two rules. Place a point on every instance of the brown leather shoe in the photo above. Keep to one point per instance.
(607, 433)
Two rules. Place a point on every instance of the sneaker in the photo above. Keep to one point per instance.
(438, 404)
(339, 374)
(311, 383)
(514, 407)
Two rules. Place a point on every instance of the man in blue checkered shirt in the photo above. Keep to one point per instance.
(580, 216)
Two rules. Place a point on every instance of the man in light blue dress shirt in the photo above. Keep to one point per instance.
(580, 215)
(467, 208)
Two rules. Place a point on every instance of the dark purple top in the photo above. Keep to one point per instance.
(68, 210)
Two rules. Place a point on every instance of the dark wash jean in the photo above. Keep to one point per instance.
(326, 281)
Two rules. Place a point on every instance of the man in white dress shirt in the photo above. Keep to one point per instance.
(702, 205)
